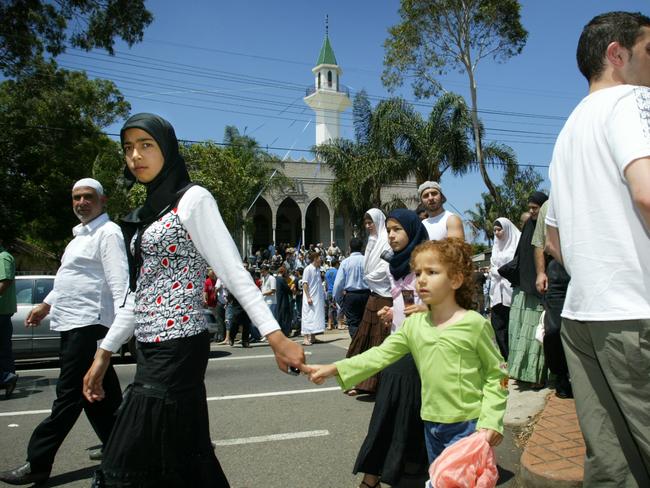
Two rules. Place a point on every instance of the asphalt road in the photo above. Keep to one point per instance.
(272, 430)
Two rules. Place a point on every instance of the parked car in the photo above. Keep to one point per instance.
(29, 342)
(33, 342)
(213, 328)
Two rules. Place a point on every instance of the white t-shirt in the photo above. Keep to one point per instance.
(437, 226)
(605, 246)
(268, 284)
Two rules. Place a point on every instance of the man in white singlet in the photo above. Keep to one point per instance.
(441, 223)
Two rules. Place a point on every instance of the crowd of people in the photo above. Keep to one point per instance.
(568, 292)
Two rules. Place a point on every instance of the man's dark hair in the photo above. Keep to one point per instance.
(600, 32)
(356, 244)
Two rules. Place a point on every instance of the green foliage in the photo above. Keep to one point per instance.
(479, 247)
(31, 28)
(51, 122)
(108, 168)
(514, 191)
(234, 174)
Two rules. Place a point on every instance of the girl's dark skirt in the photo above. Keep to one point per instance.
(371, 333)
(394, 445)
(161, 436)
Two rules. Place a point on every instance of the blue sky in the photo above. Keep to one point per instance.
(205, 64)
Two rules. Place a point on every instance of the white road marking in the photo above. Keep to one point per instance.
(210, 399)
(271, 438)
(24, 412)
(273, 393)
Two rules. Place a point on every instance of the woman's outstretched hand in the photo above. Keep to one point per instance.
(93, 388)
(287, 353)
(318, 373)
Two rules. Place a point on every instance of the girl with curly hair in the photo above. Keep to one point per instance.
(464, 378)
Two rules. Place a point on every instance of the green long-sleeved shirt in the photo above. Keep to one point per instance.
(463, 374)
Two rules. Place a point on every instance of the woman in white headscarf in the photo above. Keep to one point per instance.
(372, 331)
(506, 239)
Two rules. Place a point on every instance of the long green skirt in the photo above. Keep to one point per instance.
(526, 356)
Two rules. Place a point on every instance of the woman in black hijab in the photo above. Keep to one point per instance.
(161, 435)
(394, 445)
(526, 355)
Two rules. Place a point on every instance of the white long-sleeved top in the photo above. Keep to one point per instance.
(198, 213)
(91, 282)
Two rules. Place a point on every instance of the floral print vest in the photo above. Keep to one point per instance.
(169, 293)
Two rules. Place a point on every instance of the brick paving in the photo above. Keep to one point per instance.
(554, 455)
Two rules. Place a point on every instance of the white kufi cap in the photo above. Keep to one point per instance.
(90, 183)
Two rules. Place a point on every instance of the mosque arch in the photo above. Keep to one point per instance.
(288, 223)
(262, 217)
(317, 223)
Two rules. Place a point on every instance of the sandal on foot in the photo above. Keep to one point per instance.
(352, 392)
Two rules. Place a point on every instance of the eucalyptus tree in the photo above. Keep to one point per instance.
(435, 37)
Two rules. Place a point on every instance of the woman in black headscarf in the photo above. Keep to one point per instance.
(526, 354)
(161, 436)
(395, 441)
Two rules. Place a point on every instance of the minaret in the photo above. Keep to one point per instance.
(328, 98)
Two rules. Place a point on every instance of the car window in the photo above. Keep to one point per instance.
(24, 291)
(42, 289)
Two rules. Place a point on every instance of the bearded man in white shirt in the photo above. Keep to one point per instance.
(89, 286)
(598, 227)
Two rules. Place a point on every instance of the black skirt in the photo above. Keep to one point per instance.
(394, 445)
(161, 436)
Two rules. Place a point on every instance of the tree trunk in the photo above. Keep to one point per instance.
(477, 140)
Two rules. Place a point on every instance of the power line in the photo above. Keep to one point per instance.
(224, 144)
(202, 71)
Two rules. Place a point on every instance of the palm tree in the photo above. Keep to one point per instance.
(514, 191)
(394, 142)
(431, 147)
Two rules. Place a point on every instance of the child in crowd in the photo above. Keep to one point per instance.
(464, 378)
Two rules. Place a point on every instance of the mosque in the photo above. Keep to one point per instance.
(304, 215)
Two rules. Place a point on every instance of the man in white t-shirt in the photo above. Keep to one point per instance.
(268, 288)
(598, 225)
(441, 223)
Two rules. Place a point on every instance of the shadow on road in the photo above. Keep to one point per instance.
(72, 476)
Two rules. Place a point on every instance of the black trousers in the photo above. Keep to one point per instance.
(240, 317)
(78, 347)
(500, 316)
(353, 306)
(558, 283)
(6, 353)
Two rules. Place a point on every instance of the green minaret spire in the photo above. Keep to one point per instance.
(326, 55)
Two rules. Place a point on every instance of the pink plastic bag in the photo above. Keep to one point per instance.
(468, 463)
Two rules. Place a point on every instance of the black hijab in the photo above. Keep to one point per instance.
(526, 251)
(170, 184)
(163, 192)
(417, 233)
